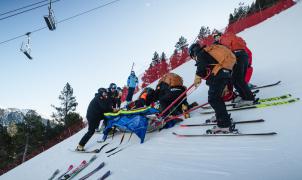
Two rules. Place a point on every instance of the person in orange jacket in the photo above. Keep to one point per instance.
(238, 46)
(146, 98)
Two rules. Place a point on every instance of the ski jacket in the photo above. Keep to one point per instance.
(249, 71)
(168, 94)
(212, 59)
(114, 98)
(132, 81)
(232, 41)
(225, 58)
(97, 107)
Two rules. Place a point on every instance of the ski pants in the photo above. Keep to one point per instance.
(92, 125)
(238, 76)
(215, 99)
(130, 94)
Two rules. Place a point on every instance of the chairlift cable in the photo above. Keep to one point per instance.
(26, 10)
(85, 12)
(8, 12)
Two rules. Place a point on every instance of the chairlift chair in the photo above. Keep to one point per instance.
(25, 48)
(49, 19)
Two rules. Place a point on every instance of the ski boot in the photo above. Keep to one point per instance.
(237, 99)
(226, 130)
(80, 148)
(243, 103)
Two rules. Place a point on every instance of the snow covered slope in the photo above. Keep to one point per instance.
(276, 46)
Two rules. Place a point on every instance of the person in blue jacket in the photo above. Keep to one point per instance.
(132, 82)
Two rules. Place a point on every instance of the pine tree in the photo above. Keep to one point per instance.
(231, 18)
(4, 150)
(155, 58)
(68, 104)
(204, 32)
(182, 42)
(163, 57)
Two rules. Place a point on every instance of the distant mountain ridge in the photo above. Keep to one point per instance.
(15, 115)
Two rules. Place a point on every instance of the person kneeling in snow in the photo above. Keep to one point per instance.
(99, 105)
(146, 98)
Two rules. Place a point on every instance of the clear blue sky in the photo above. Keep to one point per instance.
(95, 49)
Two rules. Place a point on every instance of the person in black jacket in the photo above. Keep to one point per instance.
(167, 94)
(113, 96)
(216, 83)
(99, 105)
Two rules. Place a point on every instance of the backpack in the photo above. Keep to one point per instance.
(224, 56)
(232, 41)
(172, 79)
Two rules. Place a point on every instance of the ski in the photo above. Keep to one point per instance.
(105, 175)
(116, 151)
(210, 124)
(82, 166)
(268, 85)
(112, 149)
(67, 175)
(261, 105)
(93, 171)
(230, 134)
(276, 98)
(91, 151)
(68, 170)
(57, 171)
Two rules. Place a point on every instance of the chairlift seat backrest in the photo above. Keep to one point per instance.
(27, 55)
(50, 22)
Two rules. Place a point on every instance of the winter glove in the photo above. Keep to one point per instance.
(197, 80)
(115, 110)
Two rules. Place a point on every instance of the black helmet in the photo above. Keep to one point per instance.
(119, 89)
(102, 92)
(149, 90)
(194, 48)
(112, 86)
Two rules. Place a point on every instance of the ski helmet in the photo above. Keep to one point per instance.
(112, 86)
(102, 92)
(193, 49)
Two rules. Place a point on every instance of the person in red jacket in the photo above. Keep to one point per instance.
(249, 71)
(238, 46)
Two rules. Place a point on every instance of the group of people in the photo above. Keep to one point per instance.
(224, 65)
(109, 100)
(105, 100)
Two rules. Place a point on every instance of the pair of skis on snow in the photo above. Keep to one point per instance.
(236, 133)
(262, 103)
(71, 173)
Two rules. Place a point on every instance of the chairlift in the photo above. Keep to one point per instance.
(50, 19)
(25, 47)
